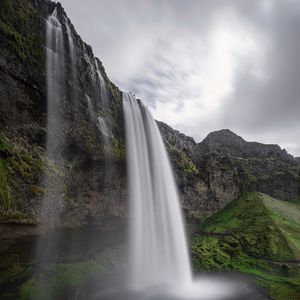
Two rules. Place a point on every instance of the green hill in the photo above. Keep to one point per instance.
(258, 235)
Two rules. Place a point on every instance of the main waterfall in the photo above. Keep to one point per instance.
(158, 247)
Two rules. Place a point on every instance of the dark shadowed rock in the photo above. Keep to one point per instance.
(209, 174)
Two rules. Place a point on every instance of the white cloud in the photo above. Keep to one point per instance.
(202, 65)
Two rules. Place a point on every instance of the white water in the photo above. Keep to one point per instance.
(99, 100)
(158, 247)
(103, 90)
(99, 86)
(55, 77)
(71, 44)
(159, 260)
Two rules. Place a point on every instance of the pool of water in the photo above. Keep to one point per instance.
(225, 286)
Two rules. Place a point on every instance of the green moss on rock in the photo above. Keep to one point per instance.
(118, 149)
(254, 234)
(21, 170)
(20, 32)
(184, 162)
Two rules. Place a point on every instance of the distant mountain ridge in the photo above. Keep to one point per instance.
(209, 174)
(226, 166)
(231, 143)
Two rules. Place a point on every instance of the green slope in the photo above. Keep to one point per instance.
(258, 235)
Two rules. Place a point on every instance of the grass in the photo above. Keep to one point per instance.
(257, 235)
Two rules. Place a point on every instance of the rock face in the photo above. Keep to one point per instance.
(91, 194)
(224, 166)
(209, 174)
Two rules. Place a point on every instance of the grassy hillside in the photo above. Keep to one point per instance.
(258, 235)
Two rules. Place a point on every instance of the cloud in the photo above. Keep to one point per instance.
(203, 65)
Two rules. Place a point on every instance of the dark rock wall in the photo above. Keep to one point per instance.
(94, 178)
(225, 166)
(209, 174)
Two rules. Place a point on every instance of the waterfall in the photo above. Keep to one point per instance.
(99, 99)
(71, 44)
(103, 128)
(103, 90)
(55, 77)
(158, 247)
(72, 63)
(52, 202)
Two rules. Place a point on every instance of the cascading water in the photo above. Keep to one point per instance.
(103, 89)
(72, 60)
(159, 260)
(52, 202)
(55, 77)
(158, 247)
(100, 98)
(71, 44)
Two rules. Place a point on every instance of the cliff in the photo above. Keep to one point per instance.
(209, 174)
(91, 195)
(91, 168)
(223, 166)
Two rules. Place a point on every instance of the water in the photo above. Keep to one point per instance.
(158, 255)
(71, 45)
(223, 286)
(55, 78)
(72, 60)
(103, 128)
(99, 100)
(158, 247)
(52, 202)
(103, 90)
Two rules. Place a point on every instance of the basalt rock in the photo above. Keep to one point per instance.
(93, 176)
(225, 166)
(209, 174)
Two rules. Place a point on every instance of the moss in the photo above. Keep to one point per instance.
(114, 91)
(11, 268)
(20, 31)
(61, 280)
(21, 167)
(118, 149)
(70, 280)
(261, 230)
(184, 162)
(5, 190)
(251, 235)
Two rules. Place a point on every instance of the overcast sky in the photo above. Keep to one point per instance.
(203, 65)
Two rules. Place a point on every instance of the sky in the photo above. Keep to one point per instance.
(202, 66)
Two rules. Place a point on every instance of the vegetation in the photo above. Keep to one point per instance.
(20, 32)
(257, 235)
(118, 149)
(60, 280)
(69, 280)
(20, 167)
(184, 162)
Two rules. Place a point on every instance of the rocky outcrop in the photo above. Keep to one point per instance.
(225, 166)
(90, 193)
(209, 174)
(225, 141)
(91, 168)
